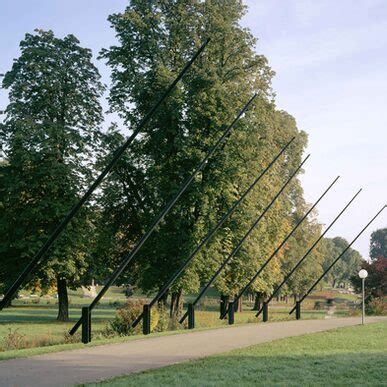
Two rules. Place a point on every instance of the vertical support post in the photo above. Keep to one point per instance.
(298, 310)
(146, 319)
(191, 316)
(221, 307)
(86, 325)
(363, 306)
(265, 311)
(231, 312)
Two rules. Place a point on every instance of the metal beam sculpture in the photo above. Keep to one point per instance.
(297, 307)
(118, 153)
(278, 288)
(128, 257)
(239, 245)
(208, 237)
(279, 247)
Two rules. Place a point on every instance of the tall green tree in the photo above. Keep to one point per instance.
(48, 136)
(378, 244)
(343, 270)
(298, 245)
(155, 39)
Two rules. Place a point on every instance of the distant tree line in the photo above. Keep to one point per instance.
(53, 144)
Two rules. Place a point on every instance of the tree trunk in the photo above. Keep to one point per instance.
(239, 306)
(63, 300)
(223, 303)
(257, 301)
(175, 304)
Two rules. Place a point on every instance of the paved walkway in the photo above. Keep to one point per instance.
(107, 361)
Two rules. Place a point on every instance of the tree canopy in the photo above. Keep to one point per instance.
(50, 130)
(155, 39)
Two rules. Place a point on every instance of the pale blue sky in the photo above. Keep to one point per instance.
(331, 63)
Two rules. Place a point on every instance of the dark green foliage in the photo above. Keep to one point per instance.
(378, 246)
(48, 137)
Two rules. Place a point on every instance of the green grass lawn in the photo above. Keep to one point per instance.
(342, 357)
(37, 325)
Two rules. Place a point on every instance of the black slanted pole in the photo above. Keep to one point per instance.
(278, 288)
(208, 237)
(279, 247)
(118, 153)
(128, 257)
(337, 259)
(241, 241)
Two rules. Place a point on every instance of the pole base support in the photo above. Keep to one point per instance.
(231, 312)
(191, 316)
(146, 320)
(265, 311)
(86, 325)
(298, 310)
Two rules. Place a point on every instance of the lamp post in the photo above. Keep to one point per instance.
(363, 275)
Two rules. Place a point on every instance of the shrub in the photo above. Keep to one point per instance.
(71, 339)
(377, 306)
(125, 317)
(41, 341)
(163, 323)
(13, 340)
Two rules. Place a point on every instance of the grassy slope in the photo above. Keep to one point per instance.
(346, 356)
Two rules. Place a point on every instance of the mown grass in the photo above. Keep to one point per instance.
(39, 327)
(342, 357)
(36, 322)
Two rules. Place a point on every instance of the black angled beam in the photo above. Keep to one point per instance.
(278, 288)
(128, 258)
(205, 240)
(279, 247)
(239, 245)
(337, 259)
(62, 225)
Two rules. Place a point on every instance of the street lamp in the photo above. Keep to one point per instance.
(363, 275)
